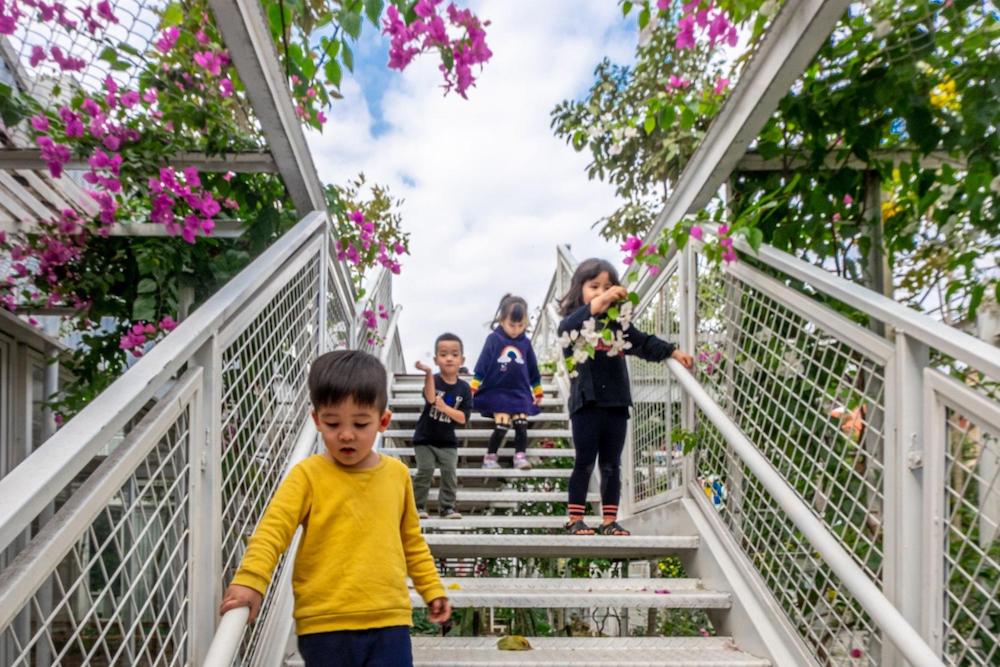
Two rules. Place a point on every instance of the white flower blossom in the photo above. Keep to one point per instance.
(883, 28)
(631, 133)
(616, 150)
(580, 355)
(594, 132)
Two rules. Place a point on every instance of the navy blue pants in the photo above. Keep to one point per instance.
(598, 437)
(378, 647)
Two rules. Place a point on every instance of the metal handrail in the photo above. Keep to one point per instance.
(37, 480)
(906, 639)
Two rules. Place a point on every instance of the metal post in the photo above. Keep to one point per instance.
(988, 329)
(205, 556)
(324, 291)
(688, 276)
(903, 517)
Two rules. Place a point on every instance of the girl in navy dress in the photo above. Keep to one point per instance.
(599, 398)
(506, 384)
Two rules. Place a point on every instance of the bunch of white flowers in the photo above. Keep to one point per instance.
(583, 342)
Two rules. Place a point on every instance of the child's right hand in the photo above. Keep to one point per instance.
(237, 596)
(600, 304)
(421, 366)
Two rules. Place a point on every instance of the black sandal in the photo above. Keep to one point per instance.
(578, 527)
(613, 528)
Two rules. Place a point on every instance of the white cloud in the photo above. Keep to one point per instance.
(489, 191)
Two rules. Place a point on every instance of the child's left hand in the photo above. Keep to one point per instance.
(537, 400)
(439, 610)
(685, 359)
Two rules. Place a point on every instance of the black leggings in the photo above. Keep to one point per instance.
(598, 436)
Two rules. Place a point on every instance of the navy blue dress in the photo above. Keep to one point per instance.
(506, 377)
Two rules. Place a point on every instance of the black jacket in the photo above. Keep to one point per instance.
(603, 381)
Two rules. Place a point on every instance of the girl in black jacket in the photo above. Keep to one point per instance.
(600, 398)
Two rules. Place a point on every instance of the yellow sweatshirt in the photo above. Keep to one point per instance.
(360, 539)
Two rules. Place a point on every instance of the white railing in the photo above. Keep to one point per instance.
(160, 480)
(893, 459)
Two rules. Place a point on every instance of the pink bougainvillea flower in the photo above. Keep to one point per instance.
(168, 39)
(104, 11)
(663, 5)
(848, 200)
(40, 123)
(8, 24)
(168, 323)
(685, 33)
(210, 61)
(320, 117)
(150, 96)
(201, 37)
(632, 244)
(226, 88)
(37, 56)
(729, 256)
(720, 85)
(696, 232)
(129, 99)
(228, 176)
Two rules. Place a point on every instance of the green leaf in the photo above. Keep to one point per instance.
(688, 119)
(129, 49)
(147, 286)
(650, 124)
(351, 23)
(607, 335)
(373, 10)
(643, 18)
(109, 55)
(978, 291)
(333, 72)
(755, 237)
(668, 115)
(613, 313)
(626, 8)
(634, 298)
(144, 308)
(172, 15)
(347, 56)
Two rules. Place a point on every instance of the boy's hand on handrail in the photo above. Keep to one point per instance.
(685, 359)
(237, 596)
(439, 610)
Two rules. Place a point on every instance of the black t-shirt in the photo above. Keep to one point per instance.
(436, 428)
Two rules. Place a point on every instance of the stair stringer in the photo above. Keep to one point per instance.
(756, 622)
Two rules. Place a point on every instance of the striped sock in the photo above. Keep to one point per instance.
(576, 512)
(610, 513)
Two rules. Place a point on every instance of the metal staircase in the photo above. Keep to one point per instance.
(517, 516)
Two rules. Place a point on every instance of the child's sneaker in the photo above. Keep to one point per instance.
(422, 513)
(521, 461)
(450, 513)
(490, 462)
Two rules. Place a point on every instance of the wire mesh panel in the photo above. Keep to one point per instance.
(66, 28)
(120, 596)
(656, 459)
(811, 402)
(338, 316)
(825, 615)
(265, 400)
(972, 539)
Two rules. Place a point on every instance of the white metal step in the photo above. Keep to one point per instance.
(483, 433)
(418, 402)
(501, 522)
(585, 651)
(418, 387)
(408, 417)
(545, 593)
(557, 546)
(478, 496)
(481, 451)
(506, 473)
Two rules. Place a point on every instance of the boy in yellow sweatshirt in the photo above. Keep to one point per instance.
(360, 531)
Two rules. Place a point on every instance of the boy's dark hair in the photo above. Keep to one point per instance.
(587, 270)
(511, 307)
(342, 374)
(448, 336)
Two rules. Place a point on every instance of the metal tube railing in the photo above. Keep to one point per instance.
(892, 623)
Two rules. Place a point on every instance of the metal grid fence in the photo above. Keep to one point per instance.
(657, 462)
(972, 539)
(120, 596)
(265, 399)
(811, 401)
(828, 619)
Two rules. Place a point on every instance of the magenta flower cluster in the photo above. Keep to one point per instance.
(371, 319)
(169, 190)
(96, 17)
(386, 256)
(635, 252)
(428, 31)
(140, 333)
(706, 19)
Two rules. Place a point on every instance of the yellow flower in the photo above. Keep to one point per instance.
(455, 586)
(943, 96)
(890, 208)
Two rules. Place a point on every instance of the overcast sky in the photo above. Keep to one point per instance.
(489, 191)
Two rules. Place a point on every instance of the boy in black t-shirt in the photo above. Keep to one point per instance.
(448, 402)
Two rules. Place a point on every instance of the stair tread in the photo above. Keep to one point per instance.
(451, 545)
(502, 522)
(483, 433)
(594, 651)
(541, 417)
(514, 496)
(484, 473)
(418, 401)
(543, 593)
(481, 451)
